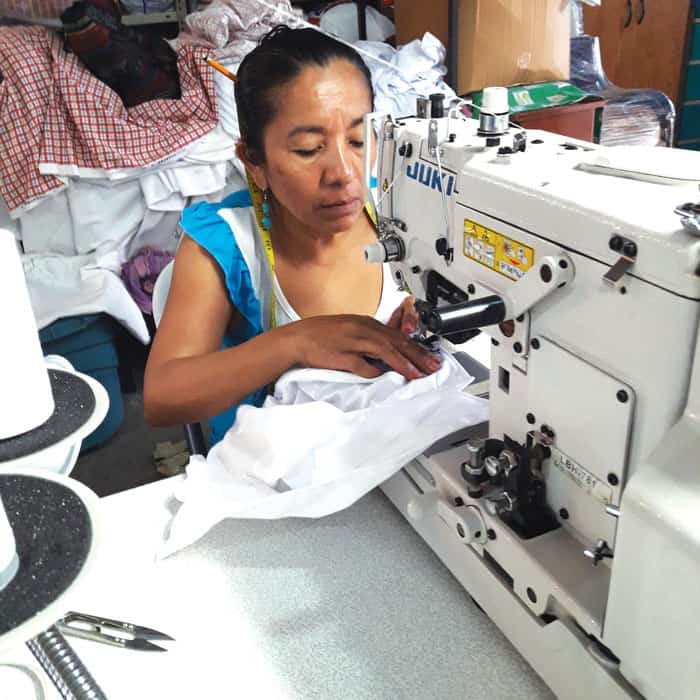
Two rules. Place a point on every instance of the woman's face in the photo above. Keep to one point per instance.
(314, 147)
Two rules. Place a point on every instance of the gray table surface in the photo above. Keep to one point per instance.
(351, 606)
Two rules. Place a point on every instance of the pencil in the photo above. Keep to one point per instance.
(217, 66)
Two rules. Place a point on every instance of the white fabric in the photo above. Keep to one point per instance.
(169, 190)
(158, 229)
(215, 147)
(241, 221)
(321, 442)
(47, 227)
(419, 70)
(103, 214)
(226, 101)
(69, 286)
(226, 108)
(342, 21)
(9, 224)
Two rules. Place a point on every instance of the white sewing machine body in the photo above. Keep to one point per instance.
(594, 394)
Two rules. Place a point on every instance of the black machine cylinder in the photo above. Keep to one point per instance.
(467, 315)
(437, 105)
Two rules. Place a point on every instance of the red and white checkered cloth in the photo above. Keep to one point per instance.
(33, 9)
(56, 115)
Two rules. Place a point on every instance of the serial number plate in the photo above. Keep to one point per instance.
(582, 477)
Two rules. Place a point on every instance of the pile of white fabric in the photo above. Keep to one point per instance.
(76, 240)
(416, 69)
(321, 442)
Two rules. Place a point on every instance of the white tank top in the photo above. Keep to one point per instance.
(390, 299)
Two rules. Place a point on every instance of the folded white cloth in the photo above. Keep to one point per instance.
(70, 286)
(321, 442)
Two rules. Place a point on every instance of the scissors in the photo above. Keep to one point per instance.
(116, 633)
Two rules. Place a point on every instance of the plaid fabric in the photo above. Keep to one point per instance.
(33, 9)
(54, 112)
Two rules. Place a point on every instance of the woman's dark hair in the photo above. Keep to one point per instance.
(279, 58)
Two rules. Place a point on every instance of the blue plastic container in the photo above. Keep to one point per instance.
(87, 342)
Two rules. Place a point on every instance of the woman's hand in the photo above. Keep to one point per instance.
(405, 318)
(349, 343)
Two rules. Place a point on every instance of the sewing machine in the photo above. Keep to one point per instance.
(573, 520)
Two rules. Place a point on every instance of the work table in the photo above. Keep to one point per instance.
(354, 605)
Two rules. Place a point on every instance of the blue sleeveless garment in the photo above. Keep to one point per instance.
(206, 227)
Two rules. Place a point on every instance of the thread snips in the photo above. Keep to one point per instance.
(116, 633)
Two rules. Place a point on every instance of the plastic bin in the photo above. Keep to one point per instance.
(87, 342)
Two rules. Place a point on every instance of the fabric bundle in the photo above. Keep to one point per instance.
(321, 442)
(233, 27)
(417, 68)
(134, 61)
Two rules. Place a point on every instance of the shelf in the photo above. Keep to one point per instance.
(177, 15)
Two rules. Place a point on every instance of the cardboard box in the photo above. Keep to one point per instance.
(499, 42)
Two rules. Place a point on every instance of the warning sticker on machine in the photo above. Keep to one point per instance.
(585, 480)
(504, 255)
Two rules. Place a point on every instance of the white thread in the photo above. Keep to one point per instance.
(37, 683)
(393, 182)
(448, 231)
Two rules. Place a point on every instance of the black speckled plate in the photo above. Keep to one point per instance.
(74, 404)
(53, 534)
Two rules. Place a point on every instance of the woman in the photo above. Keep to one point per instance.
(251, 299)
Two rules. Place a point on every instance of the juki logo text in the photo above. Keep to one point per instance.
(430, 177)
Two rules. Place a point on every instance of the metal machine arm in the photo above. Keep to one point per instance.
(551, 273)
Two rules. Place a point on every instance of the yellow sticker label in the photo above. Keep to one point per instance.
(499, 253)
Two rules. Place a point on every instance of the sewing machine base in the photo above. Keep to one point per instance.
(570, 661)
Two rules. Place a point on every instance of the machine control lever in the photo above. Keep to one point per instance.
(466, 522)
(498, 505)
(613, 277)
(599, 552)
(690, 217)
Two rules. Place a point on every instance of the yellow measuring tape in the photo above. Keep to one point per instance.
(257, 196)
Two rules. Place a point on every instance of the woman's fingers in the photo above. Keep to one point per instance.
(350, 343)
(405, 317)
(409, 322)
(417, 355)
(399, 352)
(359, 366)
